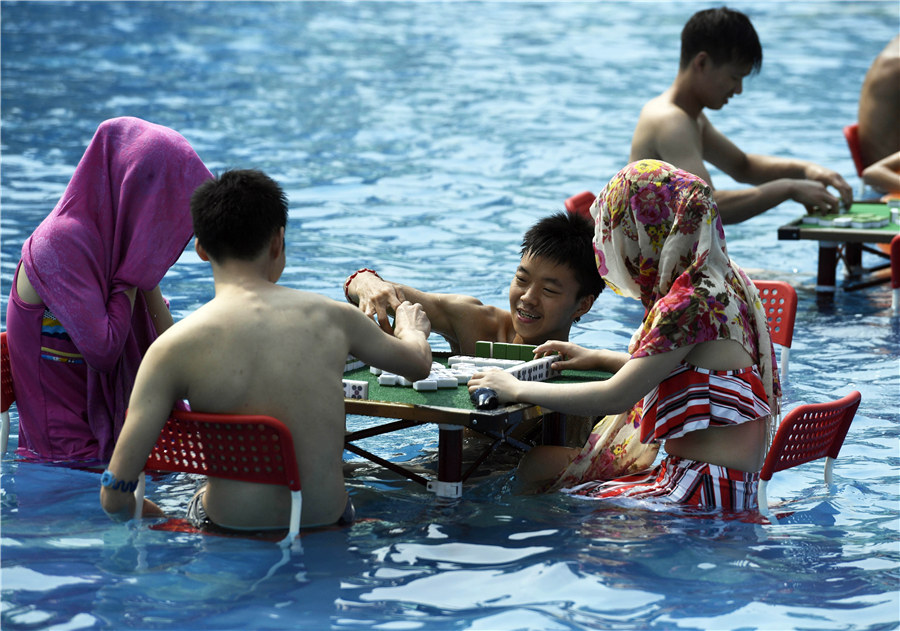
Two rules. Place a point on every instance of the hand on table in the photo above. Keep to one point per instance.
(504, 384)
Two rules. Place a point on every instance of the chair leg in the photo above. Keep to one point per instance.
(139, 496)
(4, 432)
(761, 498)
(829, 467)
(785, 358)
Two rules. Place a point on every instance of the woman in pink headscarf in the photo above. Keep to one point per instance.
(85, 302)
(700, 373)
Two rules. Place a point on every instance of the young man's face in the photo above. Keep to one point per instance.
(543, 300)
(723, 81)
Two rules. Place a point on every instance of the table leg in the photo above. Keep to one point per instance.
(450, 442)
(826, 278)
(853, 257)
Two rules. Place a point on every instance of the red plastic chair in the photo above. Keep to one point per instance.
(248, 448)
(780, 302)
(807, 433)
(8, 392)
(895, 274)
(851, 133)
(580, 204)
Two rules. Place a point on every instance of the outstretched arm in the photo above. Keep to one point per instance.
(406, 352)
(634, 380)
(460, 319)
(774, 181)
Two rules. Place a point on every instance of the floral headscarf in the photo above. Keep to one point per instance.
(659, 239)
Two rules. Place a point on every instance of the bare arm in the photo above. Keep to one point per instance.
(152, 399)
(406, 352)
(884, 174)
(634, 380)
(456, 317)
(577, 357)
(774, 181)
(159, 310)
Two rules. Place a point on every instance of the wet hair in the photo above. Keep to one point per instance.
(727, 36)
(236, 213)
(567, 239)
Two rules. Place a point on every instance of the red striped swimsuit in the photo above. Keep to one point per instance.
(691, 399)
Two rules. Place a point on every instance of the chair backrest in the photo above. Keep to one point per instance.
(851, 133)
(249, 448)
(780, 302)
(8, 392)
(809, 432)
(580, 204)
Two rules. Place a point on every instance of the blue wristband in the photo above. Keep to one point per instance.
(109, 480)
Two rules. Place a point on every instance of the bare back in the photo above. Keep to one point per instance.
(277, 352)
(879, 104)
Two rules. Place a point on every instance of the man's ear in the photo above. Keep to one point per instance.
(584, 305)
(201, 252)
(276, 245)
(702, 61)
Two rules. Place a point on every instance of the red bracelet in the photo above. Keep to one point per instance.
(354, 275)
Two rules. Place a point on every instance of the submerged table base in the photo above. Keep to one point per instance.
(452, 411)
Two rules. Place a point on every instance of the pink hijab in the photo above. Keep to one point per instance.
(122, 222)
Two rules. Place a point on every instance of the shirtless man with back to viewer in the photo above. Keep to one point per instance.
(719, 48)
(259, 348)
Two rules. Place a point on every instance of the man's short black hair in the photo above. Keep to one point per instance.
(236, 213)
(567, 239)
(727, 36)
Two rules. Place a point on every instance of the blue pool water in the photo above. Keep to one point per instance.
(422, 140)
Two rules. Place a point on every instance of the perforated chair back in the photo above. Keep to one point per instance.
(580, 204)
(780, 302)
(808, 432)
(248, 448)
(8, 394)
(851, 133)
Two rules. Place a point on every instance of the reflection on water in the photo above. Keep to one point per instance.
(422, 140)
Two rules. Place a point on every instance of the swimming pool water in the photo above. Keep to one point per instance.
(422, 139)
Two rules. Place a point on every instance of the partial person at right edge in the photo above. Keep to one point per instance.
(259, 348)
(879, 121)
(719, 48)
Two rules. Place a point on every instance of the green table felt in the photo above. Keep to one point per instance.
(457, 397)
(799, 229)
(860, 208)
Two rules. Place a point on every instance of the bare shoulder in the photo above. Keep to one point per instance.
(660, 121)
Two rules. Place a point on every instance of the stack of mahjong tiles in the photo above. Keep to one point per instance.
(517, 359)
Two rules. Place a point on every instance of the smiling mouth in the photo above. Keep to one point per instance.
(524, 315)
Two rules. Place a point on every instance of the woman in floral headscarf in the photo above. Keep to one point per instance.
(700, 372)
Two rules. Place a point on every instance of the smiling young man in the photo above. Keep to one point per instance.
(555, 283)
(719, 48)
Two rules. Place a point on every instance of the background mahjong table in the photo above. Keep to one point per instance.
(868, 223)
(452, 411)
